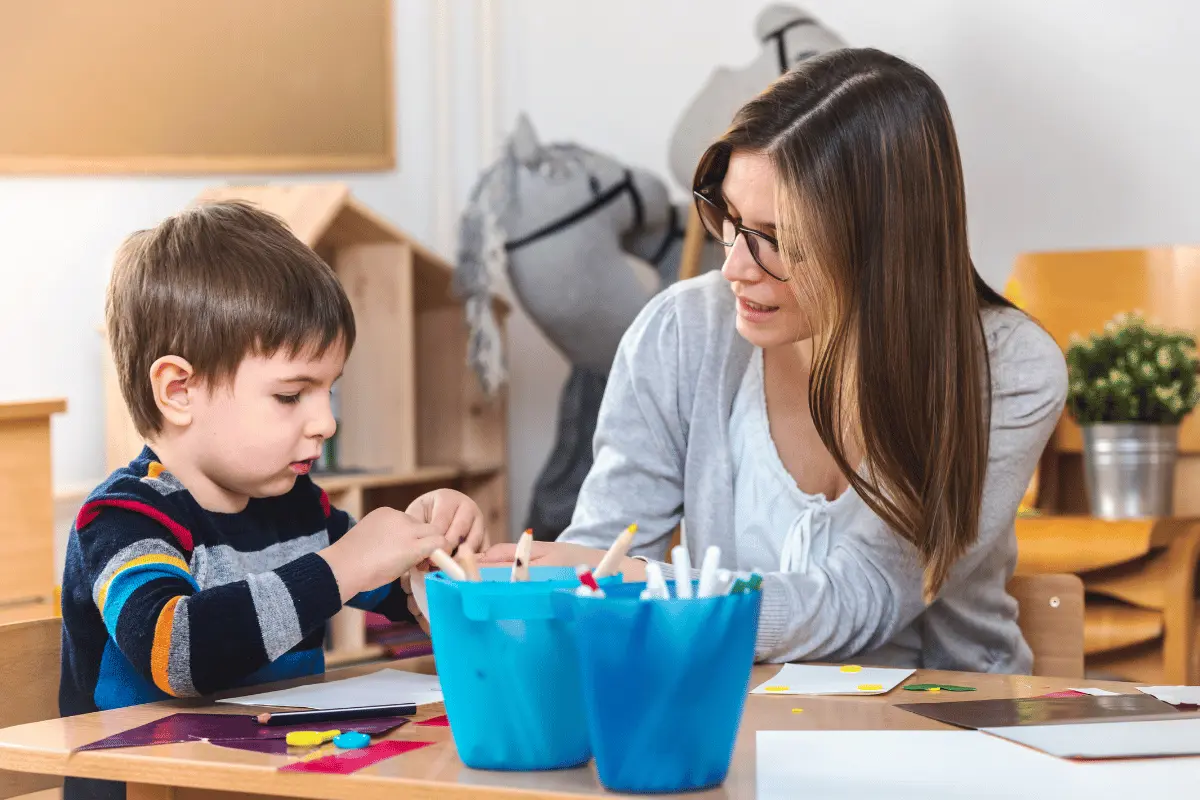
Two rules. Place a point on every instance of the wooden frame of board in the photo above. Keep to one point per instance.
(196, 86)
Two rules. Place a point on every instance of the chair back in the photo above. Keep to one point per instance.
(30, 654)
(1051, 619)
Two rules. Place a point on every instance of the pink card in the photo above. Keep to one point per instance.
(353, 760)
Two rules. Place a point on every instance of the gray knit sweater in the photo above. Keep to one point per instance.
(662, 454)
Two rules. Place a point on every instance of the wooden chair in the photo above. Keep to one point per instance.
(29, 669)
(1139, 575)
(1051, 618)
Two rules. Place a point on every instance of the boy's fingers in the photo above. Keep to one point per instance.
(476, 536)
(460, 526)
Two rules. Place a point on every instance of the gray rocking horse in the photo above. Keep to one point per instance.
(561, 220)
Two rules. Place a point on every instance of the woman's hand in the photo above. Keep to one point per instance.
(560, 554)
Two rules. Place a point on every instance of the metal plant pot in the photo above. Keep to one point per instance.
(1130, 469)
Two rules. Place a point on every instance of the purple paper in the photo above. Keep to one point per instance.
(277, 747)
(229, 727)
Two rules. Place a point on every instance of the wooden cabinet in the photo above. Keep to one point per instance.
(26, 495)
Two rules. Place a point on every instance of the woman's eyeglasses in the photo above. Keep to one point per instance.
(725, 229)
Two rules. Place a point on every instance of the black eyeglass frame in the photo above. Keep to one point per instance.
(702, 200)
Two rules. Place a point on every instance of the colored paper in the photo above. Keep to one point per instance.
(222, 728)
(1175, 695)
(348, 761)
(1038, 711)
(385, 687)
(936, 765)
(812, 679)
(436, 722)
(1109, 739)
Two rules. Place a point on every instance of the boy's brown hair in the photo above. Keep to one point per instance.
(212, 285)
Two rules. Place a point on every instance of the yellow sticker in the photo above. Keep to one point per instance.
(870, 687)
(851, 668)
(797, 710)
(934, 689)
(310, 738)
(777, 688)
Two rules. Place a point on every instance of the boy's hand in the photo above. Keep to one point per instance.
(454, 514)
(384, 545)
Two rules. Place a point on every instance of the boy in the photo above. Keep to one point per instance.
(213, 561)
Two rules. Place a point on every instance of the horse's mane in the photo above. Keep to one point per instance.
(482, 239)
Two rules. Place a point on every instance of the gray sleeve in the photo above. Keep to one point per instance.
(637, 475)
(870, 587)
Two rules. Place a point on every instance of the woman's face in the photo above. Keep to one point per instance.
(768, 313)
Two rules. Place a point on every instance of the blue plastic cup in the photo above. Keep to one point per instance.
(664, 684)
(508, 669)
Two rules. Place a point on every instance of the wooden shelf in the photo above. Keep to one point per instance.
(341, 482)
(341, 658)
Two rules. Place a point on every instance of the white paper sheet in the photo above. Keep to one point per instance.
(385, 687)
(813, 679)
(932, 765)
(1175, 695)
(1141, 739)
(1097, 692)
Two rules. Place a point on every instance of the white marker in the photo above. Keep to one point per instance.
(447, 564)
(656, 585)
(683, 572)
(723, 583)
(708, 571)
(520, 568)
(612, 559)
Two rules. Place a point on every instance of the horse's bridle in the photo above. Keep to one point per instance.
(598, 202)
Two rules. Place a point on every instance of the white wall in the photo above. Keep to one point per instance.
(1078, 121)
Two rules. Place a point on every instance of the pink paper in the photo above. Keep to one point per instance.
(436, 722)
(353, 760)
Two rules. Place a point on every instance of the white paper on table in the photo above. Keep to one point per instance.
(813, 679)
(1175, 695)
(385, 687)
(1096, 692)
(931, 765)
(1116, 739)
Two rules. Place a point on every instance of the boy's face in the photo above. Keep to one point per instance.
(254, 435)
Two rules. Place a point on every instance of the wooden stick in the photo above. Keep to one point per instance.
(466, 558)
(447, 564)
(612, 559)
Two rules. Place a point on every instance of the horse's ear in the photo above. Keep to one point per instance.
(524, 141)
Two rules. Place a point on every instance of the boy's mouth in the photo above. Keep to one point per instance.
(302, 467)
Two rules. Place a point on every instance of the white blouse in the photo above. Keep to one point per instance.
(780, 528)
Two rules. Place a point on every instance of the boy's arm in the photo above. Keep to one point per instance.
(186, 641)
(389, 600)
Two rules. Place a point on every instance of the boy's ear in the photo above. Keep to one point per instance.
(173, 382)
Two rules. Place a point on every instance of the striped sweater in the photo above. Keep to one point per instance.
(162, 598)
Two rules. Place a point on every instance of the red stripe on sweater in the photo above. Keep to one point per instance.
(91, 510)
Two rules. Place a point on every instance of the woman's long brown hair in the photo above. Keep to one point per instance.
(873, 229)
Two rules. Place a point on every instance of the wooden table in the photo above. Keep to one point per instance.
(195, 770)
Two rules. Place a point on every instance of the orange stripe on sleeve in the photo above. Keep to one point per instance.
(160, 652)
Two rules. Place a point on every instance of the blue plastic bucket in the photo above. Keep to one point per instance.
(664, 684)
(508, 669)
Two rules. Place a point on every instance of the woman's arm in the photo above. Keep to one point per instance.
(870, 587)
(639, 448)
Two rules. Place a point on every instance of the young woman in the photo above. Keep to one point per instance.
(847, 407)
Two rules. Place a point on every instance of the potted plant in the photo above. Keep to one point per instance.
(1130, 387)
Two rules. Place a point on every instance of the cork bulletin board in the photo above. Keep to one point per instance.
(195, 86)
